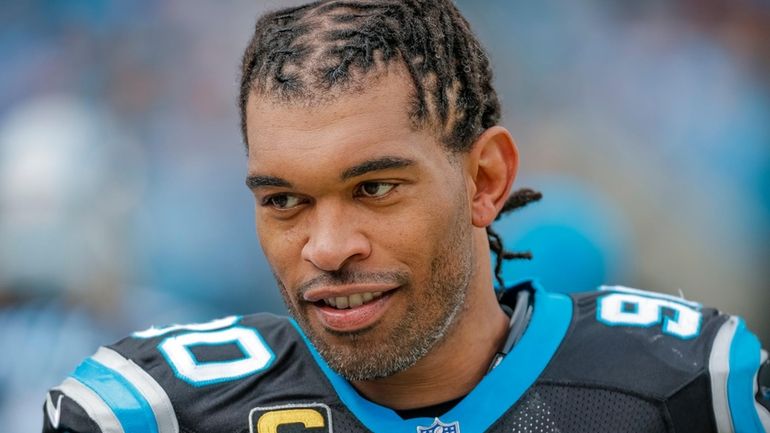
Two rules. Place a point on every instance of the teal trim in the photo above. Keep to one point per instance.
(126, 402)
(497, 392)
(744, 364)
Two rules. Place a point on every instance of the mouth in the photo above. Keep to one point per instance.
(353, 301)
(349, 309)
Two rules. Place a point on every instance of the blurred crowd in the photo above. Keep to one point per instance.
(645, 124)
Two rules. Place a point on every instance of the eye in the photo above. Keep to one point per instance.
(282, 201)
(375, 189)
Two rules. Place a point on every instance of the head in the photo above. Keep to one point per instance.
(377, 168)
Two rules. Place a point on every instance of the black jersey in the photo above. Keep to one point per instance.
(610, 361)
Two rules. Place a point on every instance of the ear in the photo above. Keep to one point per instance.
(493, 163)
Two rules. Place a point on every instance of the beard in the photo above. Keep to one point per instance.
(432, 310)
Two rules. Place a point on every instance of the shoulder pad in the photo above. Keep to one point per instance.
(737, 375)
(643, 342)
(204, 377)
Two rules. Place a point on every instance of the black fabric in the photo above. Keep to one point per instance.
(691, 408)
(72, 419)
(508, 296)
(433, 411)
(763, 391)
(219, 353)
(643, 360)
(559, 408)
(635, 366)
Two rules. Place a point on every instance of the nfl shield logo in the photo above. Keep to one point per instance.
(440, 427)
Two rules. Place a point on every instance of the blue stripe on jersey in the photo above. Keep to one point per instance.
(497, 392)
(744, 364)
(125, 401)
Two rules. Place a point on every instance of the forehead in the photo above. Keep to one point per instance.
(374, 120)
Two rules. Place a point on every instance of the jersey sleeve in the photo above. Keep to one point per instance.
(204, 377)
(108, 393)
(62, 413)
(739, 374)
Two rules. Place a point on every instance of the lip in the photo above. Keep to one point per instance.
(324, 292)
(353, 319)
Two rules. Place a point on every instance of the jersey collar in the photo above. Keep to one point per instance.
(497, 392)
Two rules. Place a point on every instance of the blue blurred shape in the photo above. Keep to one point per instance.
(578, 238)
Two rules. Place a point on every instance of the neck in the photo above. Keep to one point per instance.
(457, 364)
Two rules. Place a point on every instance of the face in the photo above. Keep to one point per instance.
(366, 224)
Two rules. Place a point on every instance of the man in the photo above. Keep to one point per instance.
(378, 166)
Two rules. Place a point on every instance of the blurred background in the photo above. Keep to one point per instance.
(645, 124)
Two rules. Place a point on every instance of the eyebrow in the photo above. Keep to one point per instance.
(257, 181)
(383, 163)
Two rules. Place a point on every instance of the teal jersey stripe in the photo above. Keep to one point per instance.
(126, 402)
(744, 364)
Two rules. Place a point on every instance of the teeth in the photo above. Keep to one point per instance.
(355, 300)
(352, 301)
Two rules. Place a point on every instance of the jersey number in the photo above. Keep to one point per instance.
(177, 349)
(627, 309)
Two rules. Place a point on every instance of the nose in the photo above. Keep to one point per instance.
(334, 240)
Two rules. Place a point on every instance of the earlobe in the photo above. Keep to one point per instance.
(494, 161)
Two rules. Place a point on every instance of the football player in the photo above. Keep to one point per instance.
(378, 165)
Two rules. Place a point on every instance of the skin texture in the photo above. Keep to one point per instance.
(331, 226)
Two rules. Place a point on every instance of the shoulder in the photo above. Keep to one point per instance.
(221, 350)
(629, 338)
(691, 358)
(167, 376)
(189, 349)
(631, 332)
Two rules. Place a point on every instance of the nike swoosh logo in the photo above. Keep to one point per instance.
(54, 411)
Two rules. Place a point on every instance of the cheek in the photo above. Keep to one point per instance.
(416, 237)
(282, 247)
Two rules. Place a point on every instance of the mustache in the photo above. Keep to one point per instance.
(345, 277)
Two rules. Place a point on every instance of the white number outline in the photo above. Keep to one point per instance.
(258, 356)
(176, 350)
(679, 326)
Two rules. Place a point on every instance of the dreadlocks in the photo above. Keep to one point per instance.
(308, 53)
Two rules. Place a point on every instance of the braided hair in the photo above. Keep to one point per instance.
(306, 54)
